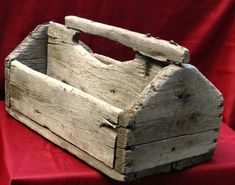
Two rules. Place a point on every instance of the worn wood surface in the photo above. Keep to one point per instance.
(32, 52)
(149, 155)
(179, 165)
(118, 83)
(7, 79)
(156, 48)
(70, 113)
(34, 49)
(178, 101)
(73, 149)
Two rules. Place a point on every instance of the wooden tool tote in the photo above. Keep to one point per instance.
(152, 114)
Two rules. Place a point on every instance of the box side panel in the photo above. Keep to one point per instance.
(178, 101)
(67, 146)
(146, 156)
(179, 165)
(66, 111)
(32, 51)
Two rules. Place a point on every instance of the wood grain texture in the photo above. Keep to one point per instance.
(32, 51)
(7, 83)
(105, 59)
(178, 101)
(70, 113)
(147, 45)
(118, 83)
(150, 155)
(179, 165)
(61, 142)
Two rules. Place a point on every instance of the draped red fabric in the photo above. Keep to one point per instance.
(207, 28)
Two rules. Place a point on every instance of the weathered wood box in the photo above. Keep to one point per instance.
(153, 114)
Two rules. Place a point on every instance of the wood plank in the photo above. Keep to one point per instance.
(119, 83)
(33, 48)
(156, 48)
(7, 81)
(61, 142)
(157, 130)
(105, 59)
(179, 165)
(66, 111)
(150, 155)
(179, 100)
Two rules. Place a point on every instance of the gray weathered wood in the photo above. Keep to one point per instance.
(173, 104)
(156, 48)
(118, 83)
(7, 80)
(34, 49)
(179, 165)
(65, 110)
(162, 152)
(99, 165)
(45, 132)
(105, 59)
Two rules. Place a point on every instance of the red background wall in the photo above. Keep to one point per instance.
(207, 28)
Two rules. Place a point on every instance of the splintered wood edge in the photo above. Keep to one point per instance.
(158, 49)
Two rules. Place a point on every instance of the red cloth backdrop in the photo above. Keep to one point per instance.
(207, 28)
